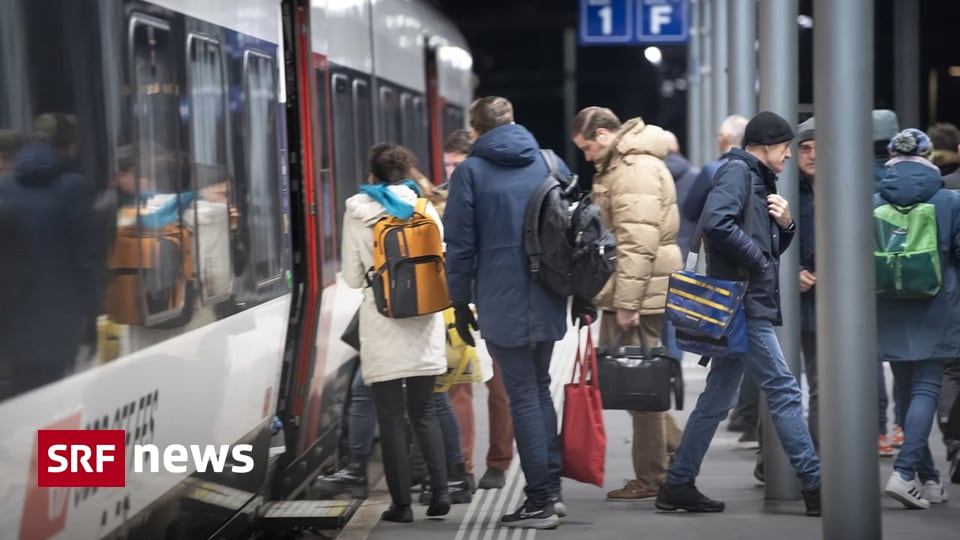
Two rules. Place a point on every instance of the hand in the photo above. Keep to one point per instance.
(580, 310)
(464, 320)
(807, 280)
(779, 210)
(628, 318)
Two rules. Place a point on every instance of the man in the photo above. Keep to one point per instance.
(807, 163)
(638, 203)
(500, 452)
(946, 142)
(520, 319)
(745, 191)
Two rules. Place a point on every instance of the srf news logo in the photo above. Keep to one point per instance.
(98, 458)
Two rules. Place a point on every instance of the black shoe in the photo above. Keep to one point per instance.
(955, 468)
(351, 479)
(471, 482)
(529, 516)
(812, 500)
(686, 497)
(457, 486)
(758, 472)
(439, 505)
(492, 479)
(737, 423)
(426, 493)
(402, 514)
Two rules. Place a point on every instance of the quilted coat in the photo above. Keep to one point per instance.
(389, 348)
(637, 197)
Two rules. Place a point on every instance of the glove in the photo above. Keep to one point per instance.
(463, 321)
(581, 310)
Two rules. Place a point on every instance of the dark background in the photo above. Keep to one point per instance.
(517, 47)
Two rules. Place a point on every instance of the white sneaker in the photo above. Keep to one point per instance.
(906, 492)
(934, 492)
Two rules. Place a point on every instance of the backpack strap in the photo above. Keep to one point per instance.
(551, 161)
(531, 223)
(421, 206)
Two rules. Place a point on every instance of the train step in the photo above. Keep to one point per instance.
(327, 514)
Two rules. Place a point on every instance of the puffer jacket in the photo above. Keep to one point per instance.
(389, 348)
(921, 329)
(732, 251)
(638, 203)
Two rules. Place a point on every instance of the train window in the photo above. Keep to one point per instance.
(211, 215)
(452, 119)
(421, 132)
(346, 176)
(263, 168)
(391, 119)
(363, 120)
(327, 219)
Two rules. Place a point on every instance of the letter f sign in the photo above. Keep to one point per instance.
(659, 16)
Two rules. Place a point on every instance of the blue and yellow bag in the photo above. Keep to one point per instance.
(708, 314)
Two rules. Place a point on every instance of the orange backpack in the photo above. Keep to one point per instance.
(408, 277)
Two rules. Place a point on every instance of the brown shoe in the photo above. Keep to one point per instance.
(632, 491)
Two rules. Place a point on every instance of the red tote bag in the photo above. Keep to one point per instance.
(583, 437)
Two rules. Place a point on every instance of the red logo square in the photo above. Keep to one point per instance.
(81, 458)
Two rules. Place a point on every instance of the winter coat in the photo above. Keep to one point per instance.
(952, 181)
(922, 329)
(49, 211)
(389, 348)
(684, 175)
(484, 218)
(691, 207)
(730, 249)
(805, 234)
(638, 203)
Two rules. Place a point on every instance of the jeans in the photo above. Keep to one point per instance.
(765, 364)
(362, 420)
(918, 384)
(526, 375)
(449, 428)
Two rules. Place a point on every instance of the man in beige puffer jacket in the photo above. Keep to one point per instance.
(638, 203)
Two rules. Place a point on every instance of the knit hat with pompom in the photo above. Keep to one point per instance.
(910, 142)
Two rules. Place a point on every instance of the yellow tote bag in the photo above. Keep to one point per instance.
(463, 363)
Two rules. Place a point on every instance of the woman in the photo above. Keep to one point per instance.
(399, 358)
(917, 334)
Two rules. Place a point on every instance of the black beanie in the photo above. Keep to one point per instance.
(767, 128)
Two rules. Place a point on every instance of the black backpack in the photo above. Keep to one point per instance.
(568, 248)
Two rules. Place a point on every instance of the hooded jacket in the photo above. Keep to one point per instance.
(486, 258)
(637, 198)
(921, 329)
(684, 176)
(738, 244)
(389, 348)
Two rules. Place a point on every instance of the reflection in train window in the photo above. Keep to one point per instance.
(453, 119)
(363, 119)
(390, 117)
(345, 171)
(421, 131)
(326, 221)
(210, 218)
(263, 168)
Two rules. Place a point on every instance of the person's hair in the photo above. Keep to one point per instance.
(944, 136)
(490, 112)
(589, 120)
(60, 130)
(733, 127)
(391, 162)
(458, 142)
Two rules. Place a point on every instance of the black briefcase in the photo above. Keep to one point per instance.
(634, 379)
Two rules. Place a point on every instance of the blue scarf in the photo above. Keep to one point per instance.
(395, 206)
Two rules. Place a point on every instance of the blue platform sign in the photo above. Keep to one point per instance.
(620, 22)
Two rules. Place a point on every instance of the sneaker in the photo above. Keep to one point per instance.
(531, 517)
(631, 491)
(439, 505)
(749, 440)
(934, 492)
(896, 440)
(686, 497)
(559, 506)
(351, 479)
(884, 448)
(492, 479)
(906, 492)
(758, 472)
(811, 500)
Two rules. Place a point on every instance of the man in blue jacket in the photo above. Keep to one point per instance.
(520, 319)
(746, 227)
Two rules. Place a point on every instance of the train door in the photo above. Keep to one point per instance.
(435, 107)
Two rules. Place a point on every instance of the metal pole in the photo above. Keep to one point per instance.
(846, 301)
(694, 118)
(779, 66)
(906, 62)
(720, 79)
(706, 84)
(742, 57)
(569, 90)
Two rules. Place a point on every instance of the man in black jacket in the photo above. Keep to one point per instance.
(746, 227)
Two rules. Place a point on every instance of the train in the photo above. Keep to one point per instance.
(172, 179)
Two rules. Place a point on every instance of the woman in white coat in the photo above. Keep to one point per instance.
(399, 358)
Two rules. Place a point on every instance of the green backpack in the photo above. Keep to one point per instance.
(906, 257)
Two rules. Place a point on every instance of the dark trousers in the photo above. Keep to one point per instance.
(808, 344)
(949, 406)
(390, 399)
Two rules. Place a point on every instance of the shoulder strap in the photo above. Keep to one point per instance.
(551, 160)
(421, 206)
(531, 223)
(694, 254)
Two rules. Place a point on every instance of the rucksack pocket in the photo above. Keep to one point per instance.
(417, 286)
(908, 275)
